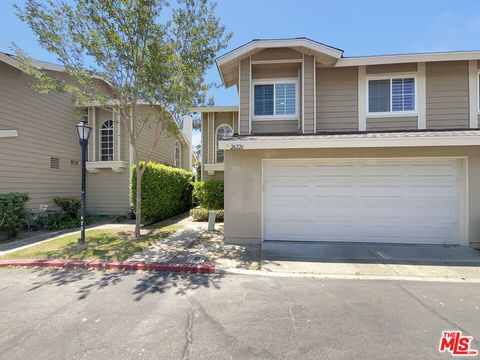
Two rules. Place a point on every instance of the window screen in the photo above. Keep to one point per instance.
(263, 100)
(379, 96)
(285, 99)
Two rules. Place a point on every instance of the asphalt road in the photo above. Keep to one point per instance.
(69, 314)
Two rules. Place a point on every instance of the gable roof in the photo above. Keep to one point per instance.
(327, 55)
(227, 64)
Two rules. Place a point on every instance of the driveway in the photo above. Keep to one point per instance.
(371, 259)
(120, 315)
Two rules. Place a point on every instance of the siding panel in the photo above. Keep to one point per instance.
(447, 95)
(337, 99)
(244, 89)
(274, 126)
(392, 123)
(309, 94)
(45, 126)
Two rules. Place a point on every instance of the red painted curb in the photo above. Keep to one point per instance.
(206, 268)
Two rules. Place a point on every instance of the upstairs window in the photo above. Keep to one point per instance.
(177, 154)
(277, 99)
(222, 131)
(393, 95)
(106, 141)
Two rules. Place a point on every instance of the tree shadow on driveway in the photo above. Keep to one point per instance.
(146, 283)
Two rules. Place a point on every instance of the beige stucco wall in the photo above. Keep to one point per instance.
(243, 183)
(46, 128)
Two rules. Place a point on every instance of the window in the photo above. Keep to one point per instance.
(222, 131)
(106, 141)
(391, 95)
(177, 154)
(278, 99)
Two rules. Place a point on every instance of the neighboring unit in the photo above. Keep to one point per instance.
(40, 154)
(324, 147)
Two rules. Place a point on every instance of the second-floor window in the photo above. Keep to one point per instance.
(391, 95)
(106, 141)
(277, 99)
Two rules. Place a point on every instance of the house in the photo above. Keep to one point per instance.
(324, 147)
(40, 153)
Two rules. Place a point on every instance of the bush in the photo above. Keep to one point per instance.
(13, 215)
(54, 221)
(69, 206)
(166, 191)
(209, 194)
(201, 214)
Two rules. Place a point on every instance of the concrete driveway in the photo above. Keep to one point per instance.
(371, 259)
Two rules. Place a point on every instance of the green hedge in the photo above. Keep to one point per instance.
(166, 191)
(201, 214)
(13, 215)
(70, 206)
(209, 194)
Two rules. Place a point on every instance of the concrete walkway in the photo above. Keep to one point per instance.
(371, 260)
(166, 249)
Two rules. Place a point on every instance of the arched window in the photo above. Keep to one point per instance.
(177, 154)
(106, 141)
(222, 131)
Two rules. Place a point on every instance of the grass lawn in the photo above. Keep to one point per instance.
(102, 245)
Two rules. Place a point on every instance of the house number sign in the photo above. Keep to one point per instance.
(237, 147)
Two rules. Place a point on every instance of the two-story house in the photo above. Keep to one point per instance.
(324, 147)
(40, 153)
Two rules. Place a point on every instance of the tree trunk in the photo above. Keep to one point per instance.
(138, 195)
(138, 198)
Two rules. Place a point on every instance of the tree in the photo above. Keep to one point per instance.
(149, 52)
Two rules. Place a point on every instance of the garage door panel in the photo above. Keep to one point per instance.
(332, 191)
(404, 201)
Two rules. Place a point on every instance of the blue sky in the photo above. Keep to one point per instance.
(358, 27)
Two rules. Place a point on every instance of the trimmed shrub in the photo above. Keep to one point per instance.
(201, 214)
(13, 215)
(166, 191)
(209, 194)
(69, 206)
(54, 221)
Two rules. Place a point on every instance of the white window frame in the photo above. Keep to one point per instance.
(478, 92)
(216, 149)
(391, 77)
(176, 146)
(274, 82)
(101, 142)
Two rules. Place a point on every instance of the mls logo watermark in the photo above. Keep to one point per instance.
(456, 344)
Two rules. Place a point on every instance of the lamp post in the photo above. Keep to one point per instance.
(83, 131)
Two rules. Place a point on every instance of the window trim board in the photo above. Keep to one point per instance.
(391, 77)
(273, 82)
(177, 145)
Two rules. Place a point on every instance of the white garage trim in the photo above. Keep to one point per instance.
(463, 215)
(331, 142)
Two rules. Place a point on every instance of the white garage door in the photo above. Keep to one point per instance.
(397, 201)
